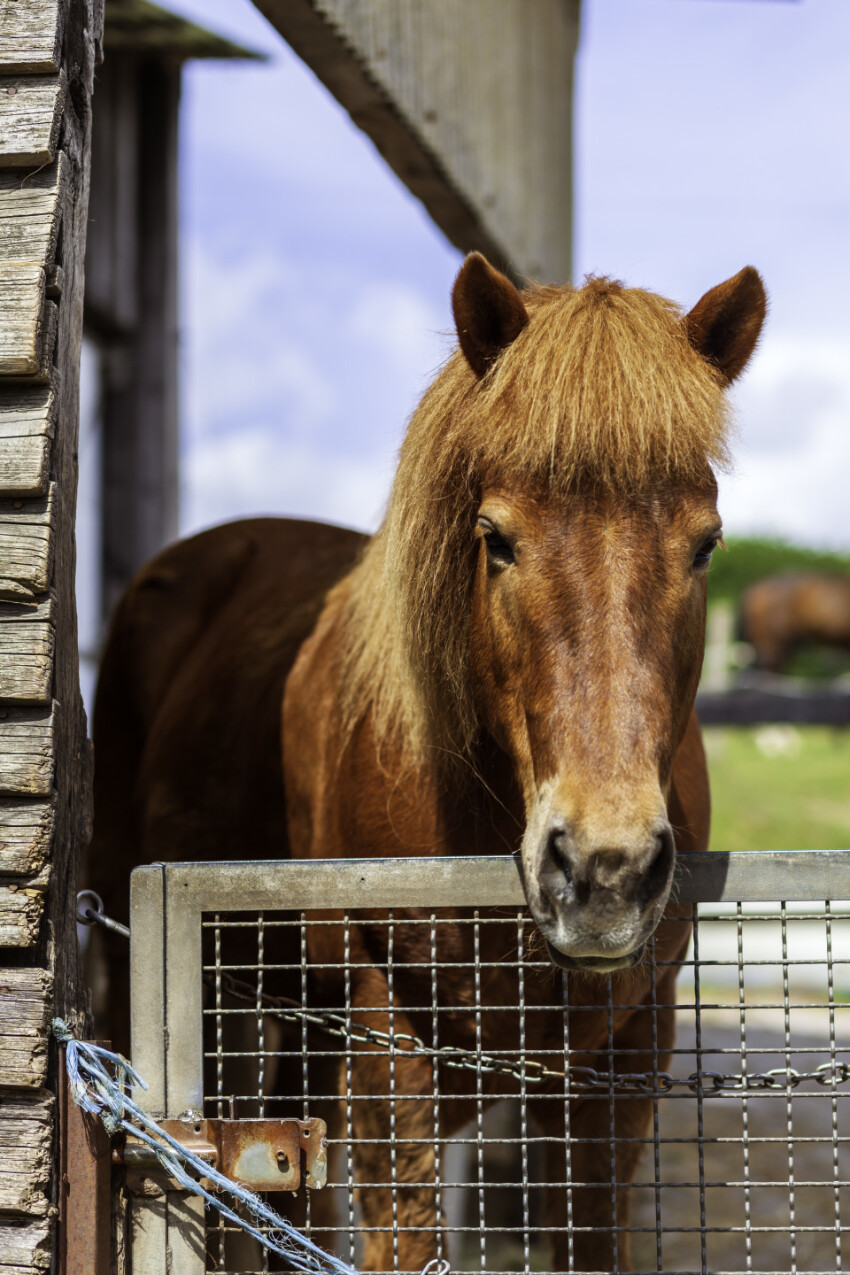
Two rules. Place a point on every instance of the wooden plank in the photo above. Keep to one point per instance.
(27, 412)
(26, 1140)
(30, 114)
(26, 547)
(30, 35)
(26, 827)
(24, 466)
(27, 427)
(30, 209)
(21, 909)
(26, 651)
(27, 998)
(25, 1248)
(26, 661)
(26, 752)
(22, 301)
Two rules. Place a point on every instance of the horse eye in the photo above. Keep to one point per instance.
(498, 549)
(702, 557)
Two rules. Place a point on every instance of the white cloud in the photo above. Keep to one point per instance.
(297, 408)
(316, 290)
(260, 471)
(395, 321)
(793, 470)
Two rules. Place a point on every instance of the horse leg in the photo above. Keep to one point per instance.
(393, 1143)
(400, 1219)
(601, 1181)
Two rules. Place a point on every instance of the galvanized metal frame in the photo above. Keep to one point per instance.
(168, 902)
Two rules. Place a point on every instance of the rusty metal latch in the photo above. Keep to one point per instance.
(263, 1155)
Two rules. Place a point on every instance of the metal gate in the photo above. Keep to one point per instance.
(410, 1005)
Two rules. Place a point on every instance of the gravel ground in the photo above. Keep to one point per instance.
(748, 1217)
(776, 1200)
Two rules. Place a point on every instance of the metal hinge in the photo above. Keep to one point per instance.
(263, 1155)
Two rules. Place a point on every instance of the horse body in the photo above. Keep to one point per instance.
(510, 665)
(783, 612)
(187, 714)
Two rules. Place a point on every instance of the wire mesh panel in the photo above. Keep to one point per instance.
(486, 1108)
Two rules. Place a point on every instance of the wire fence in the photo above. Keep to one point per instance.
(483, 1109)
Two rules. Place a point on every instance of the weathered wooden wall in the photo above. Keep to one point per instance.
(48, 49)
(470, 103)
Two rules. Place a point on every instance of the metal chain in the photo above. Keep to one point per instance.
(531, 1070)
(534, 1072)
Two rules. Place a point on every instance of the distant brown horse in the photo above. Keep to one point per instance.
(509, 664)
(784, 612)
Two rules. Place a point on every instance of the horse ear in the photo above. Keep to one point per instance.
(725, 325)
(488, 310)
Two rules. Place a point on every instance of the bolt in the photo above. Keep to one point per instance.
(282, 1161)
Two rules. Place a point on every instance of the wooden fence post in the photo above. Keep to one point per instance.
(48, 51)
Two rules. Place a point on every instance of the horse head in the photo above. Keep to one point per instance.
(540, 577)
(587, 623)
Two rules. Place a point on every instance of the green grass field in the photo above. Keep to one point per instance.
(793, 791)
(779, 788)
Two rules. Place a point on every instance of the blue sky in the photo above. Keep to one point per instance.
(709, 134)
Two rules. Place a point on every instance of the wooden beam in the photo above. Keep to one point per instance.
(30, 35)
(44, 757)
(470, 104)
(30, 116)
(136, 26)
(26, 547)
(30, 210)
(139, 401)
(27, 996)
(85, 1205)
(112, 250)
(26, 827)
(26, 752)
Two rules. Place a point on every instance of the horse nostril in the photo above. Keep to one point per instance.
(558, 848)
(657, 875)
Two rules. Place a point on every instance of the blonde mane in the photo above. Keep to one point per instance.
(601, 386)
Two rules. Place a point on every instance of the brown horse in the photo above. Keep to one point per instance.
(784, 612)
(510, 664)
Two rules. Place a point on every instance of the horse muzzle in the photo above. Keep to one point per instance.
(597, 904)
(595, 964)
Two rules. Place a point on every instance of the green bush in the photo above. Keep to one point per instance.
(749, 559)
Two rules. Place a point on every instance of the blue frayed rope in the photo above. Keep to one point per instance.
(104, 1094)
